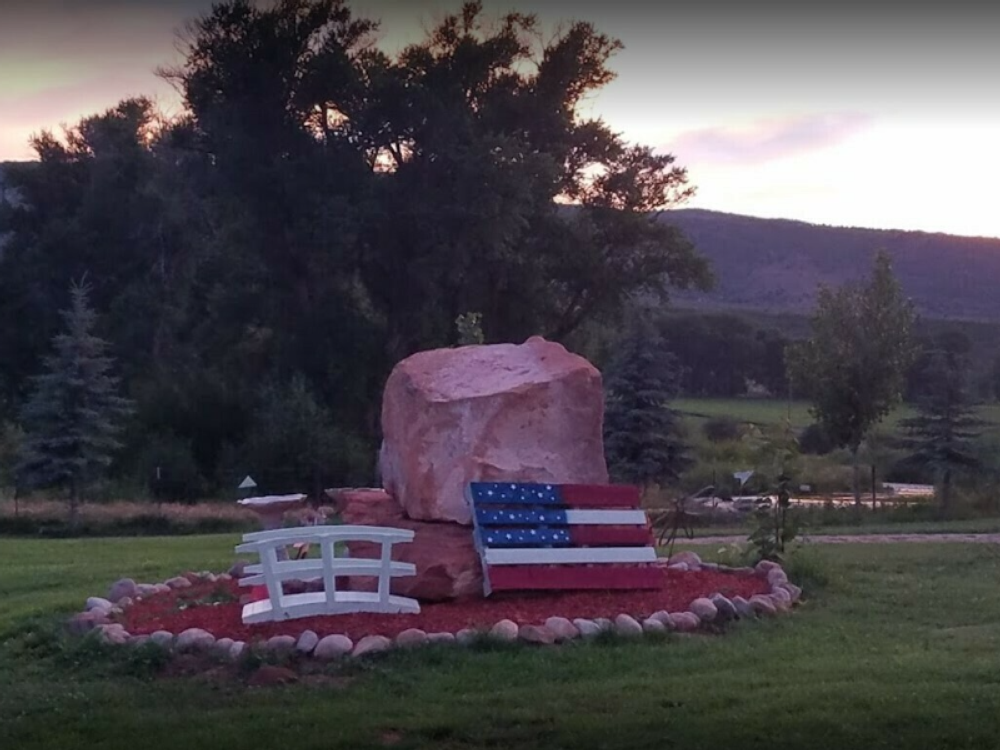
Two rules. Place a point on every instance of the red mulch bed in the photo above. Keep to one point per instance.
(200, 607)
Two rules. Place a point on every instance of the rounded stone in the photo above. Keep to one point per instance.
(649, 625)
(307, 642)
(280, 643)
(98, 602)
(776, 576)
(536, 634)
(194, 639)
(704, 609)
(138, 640)
(411, 637)
(604, 623)
(442, 637)
(779, 593)
(146, 589)
(794, 591)
(726, 609)
(333, 646)
(587, 628)
(371, 644)
(124, 587)
(763, 605)
(562, 628)
(178, 582)
(505, 630)
(465, 635)
(691, 559)
(681, 567)
(626, 625)
(685, 622)
(84, 622)
(664, 618)
(743, 607)
(162, 588)
(162, 637)
(124, 603)
(223, 646)
(114, 634)
(237, 649)
(764, 567)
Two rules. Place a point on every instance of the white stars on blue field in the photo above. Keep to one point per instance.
(519, 537)
(503, 493)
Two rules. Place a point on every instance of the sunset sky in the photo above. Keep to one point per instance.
(864, 114)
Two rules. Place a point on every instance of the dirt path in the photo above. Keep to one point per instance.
(860, 538)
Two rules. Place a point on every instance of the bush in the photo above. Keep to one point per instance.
(721, 429)
(167, 467)
(814, 441)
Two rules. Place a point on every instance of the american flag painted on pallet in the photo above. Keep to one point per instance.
(562, 536)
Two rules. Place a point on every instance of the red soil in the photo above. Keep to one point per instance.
(193, 608)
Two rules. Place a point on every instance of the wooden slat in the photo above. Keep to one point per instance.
(568, 577)
(568, 556)
(566, 536)
(600, 496)
(487, 517)
(611, 536)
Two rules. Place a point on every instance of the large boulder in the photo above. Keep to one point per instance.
(444, 554)
(529, 413)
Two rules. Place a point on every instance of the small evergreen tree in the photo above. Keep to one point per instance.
(940, 436)
(74, 413)
(642, 436)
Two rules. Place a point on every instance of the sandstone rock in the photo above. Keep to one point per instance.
(194, 639)
(536, 634)
(444, 554)
(122, 588)
(307, 642)
(270, 675)
(411, 637)
(649, 625)
(726, 609)
(562, 628)
(765, 566)
(277, 643)
(587, 628)
(763, 605)
(162, 638)
(441, 637)
(84, 622)
(704, 609)
(743, 607)
(529, 413)
(664, 618)
(466, 635)
(178, 582)
(505, 630)
(97, 602)
(776, 576)
(626, 625)
(685, 622)
(371, 644)
(794, 591)
(691, 559)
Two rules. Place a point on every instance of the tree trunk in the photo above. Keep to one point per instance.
(74, 502)
(856, 476)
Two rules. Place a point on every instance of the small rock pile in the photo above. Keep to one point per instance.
(705, 613)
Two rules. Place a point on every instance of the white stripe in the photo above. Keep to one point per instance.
(535, 556)
(606, 517)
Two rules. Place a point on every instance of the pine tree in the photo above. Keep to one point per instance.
(74, 413)
(940, 435)
(642, 436)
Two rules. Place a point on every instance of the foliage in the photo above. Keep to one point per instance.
(776, 525)
(470, 328)
(75, 414)
(719, 429)
(643, 441)
(815, 441)
(321, 208)
(940, 437)
(853, 366)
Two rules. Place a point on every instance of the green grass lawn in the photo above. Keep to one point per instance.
(899, 648)
(768, 411)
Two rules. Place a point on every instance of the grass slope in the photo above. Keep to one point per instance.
(900, 648)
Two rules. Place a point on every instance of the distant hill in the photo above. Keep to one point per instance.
(775, 265)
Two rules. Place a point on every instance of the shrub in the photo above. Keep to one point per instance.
(814, 441)
(721, 429)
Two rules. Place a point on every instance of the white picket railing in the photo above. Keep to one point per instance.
(273, 572)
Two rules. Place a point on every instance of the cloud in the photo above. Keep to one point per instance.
(768, 140)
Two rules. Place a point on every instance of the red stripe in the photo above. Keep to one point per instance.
(611, 536)
(521, 577)
(600, 495)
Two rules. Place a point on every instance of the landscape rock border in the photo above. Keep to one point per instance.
(705, 614)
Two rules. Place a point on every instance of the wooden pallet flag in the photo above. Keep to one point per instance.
(562, 536)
